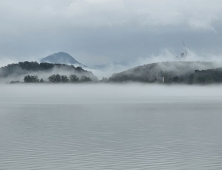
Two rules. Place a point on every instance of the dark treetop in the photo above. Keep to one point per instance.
(25, 68)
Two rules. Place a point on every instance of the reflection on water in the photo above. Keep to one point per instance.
(95, 128)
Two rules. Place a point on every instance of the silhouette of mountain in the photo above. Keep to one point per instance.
(61, 58)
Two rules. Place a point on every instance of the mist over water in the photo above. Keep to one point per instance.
(89, 122)
(128, 126)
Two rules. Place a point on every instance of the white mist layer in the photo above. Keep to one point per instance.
(99, 93)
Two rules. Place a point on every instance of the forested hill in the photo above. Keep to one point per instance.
(172, 72)
(44, 70)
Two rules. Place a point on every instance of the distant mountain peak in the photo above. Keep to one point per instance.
(61, 58)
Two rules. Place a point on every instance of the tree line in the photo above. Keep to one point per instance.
(23, 67)
(209, 76)
(56, 78)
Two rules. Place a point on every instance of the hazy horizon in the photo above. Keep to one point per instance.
(113, 67)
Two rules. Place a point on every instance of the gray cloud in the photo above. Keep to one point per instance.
(98, 31)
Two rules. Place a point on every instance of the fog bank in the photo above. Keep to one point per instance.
(103, 93)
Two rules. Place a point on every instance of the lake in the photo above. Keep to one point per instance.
(102, 127)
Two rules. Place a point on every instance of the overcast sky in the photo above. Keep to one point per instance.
(101, 31)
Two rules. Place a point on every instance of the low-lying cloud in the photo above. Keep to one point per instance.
(164, 56)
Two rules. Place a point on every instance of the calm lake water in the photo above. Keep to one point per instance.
(102, 127)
